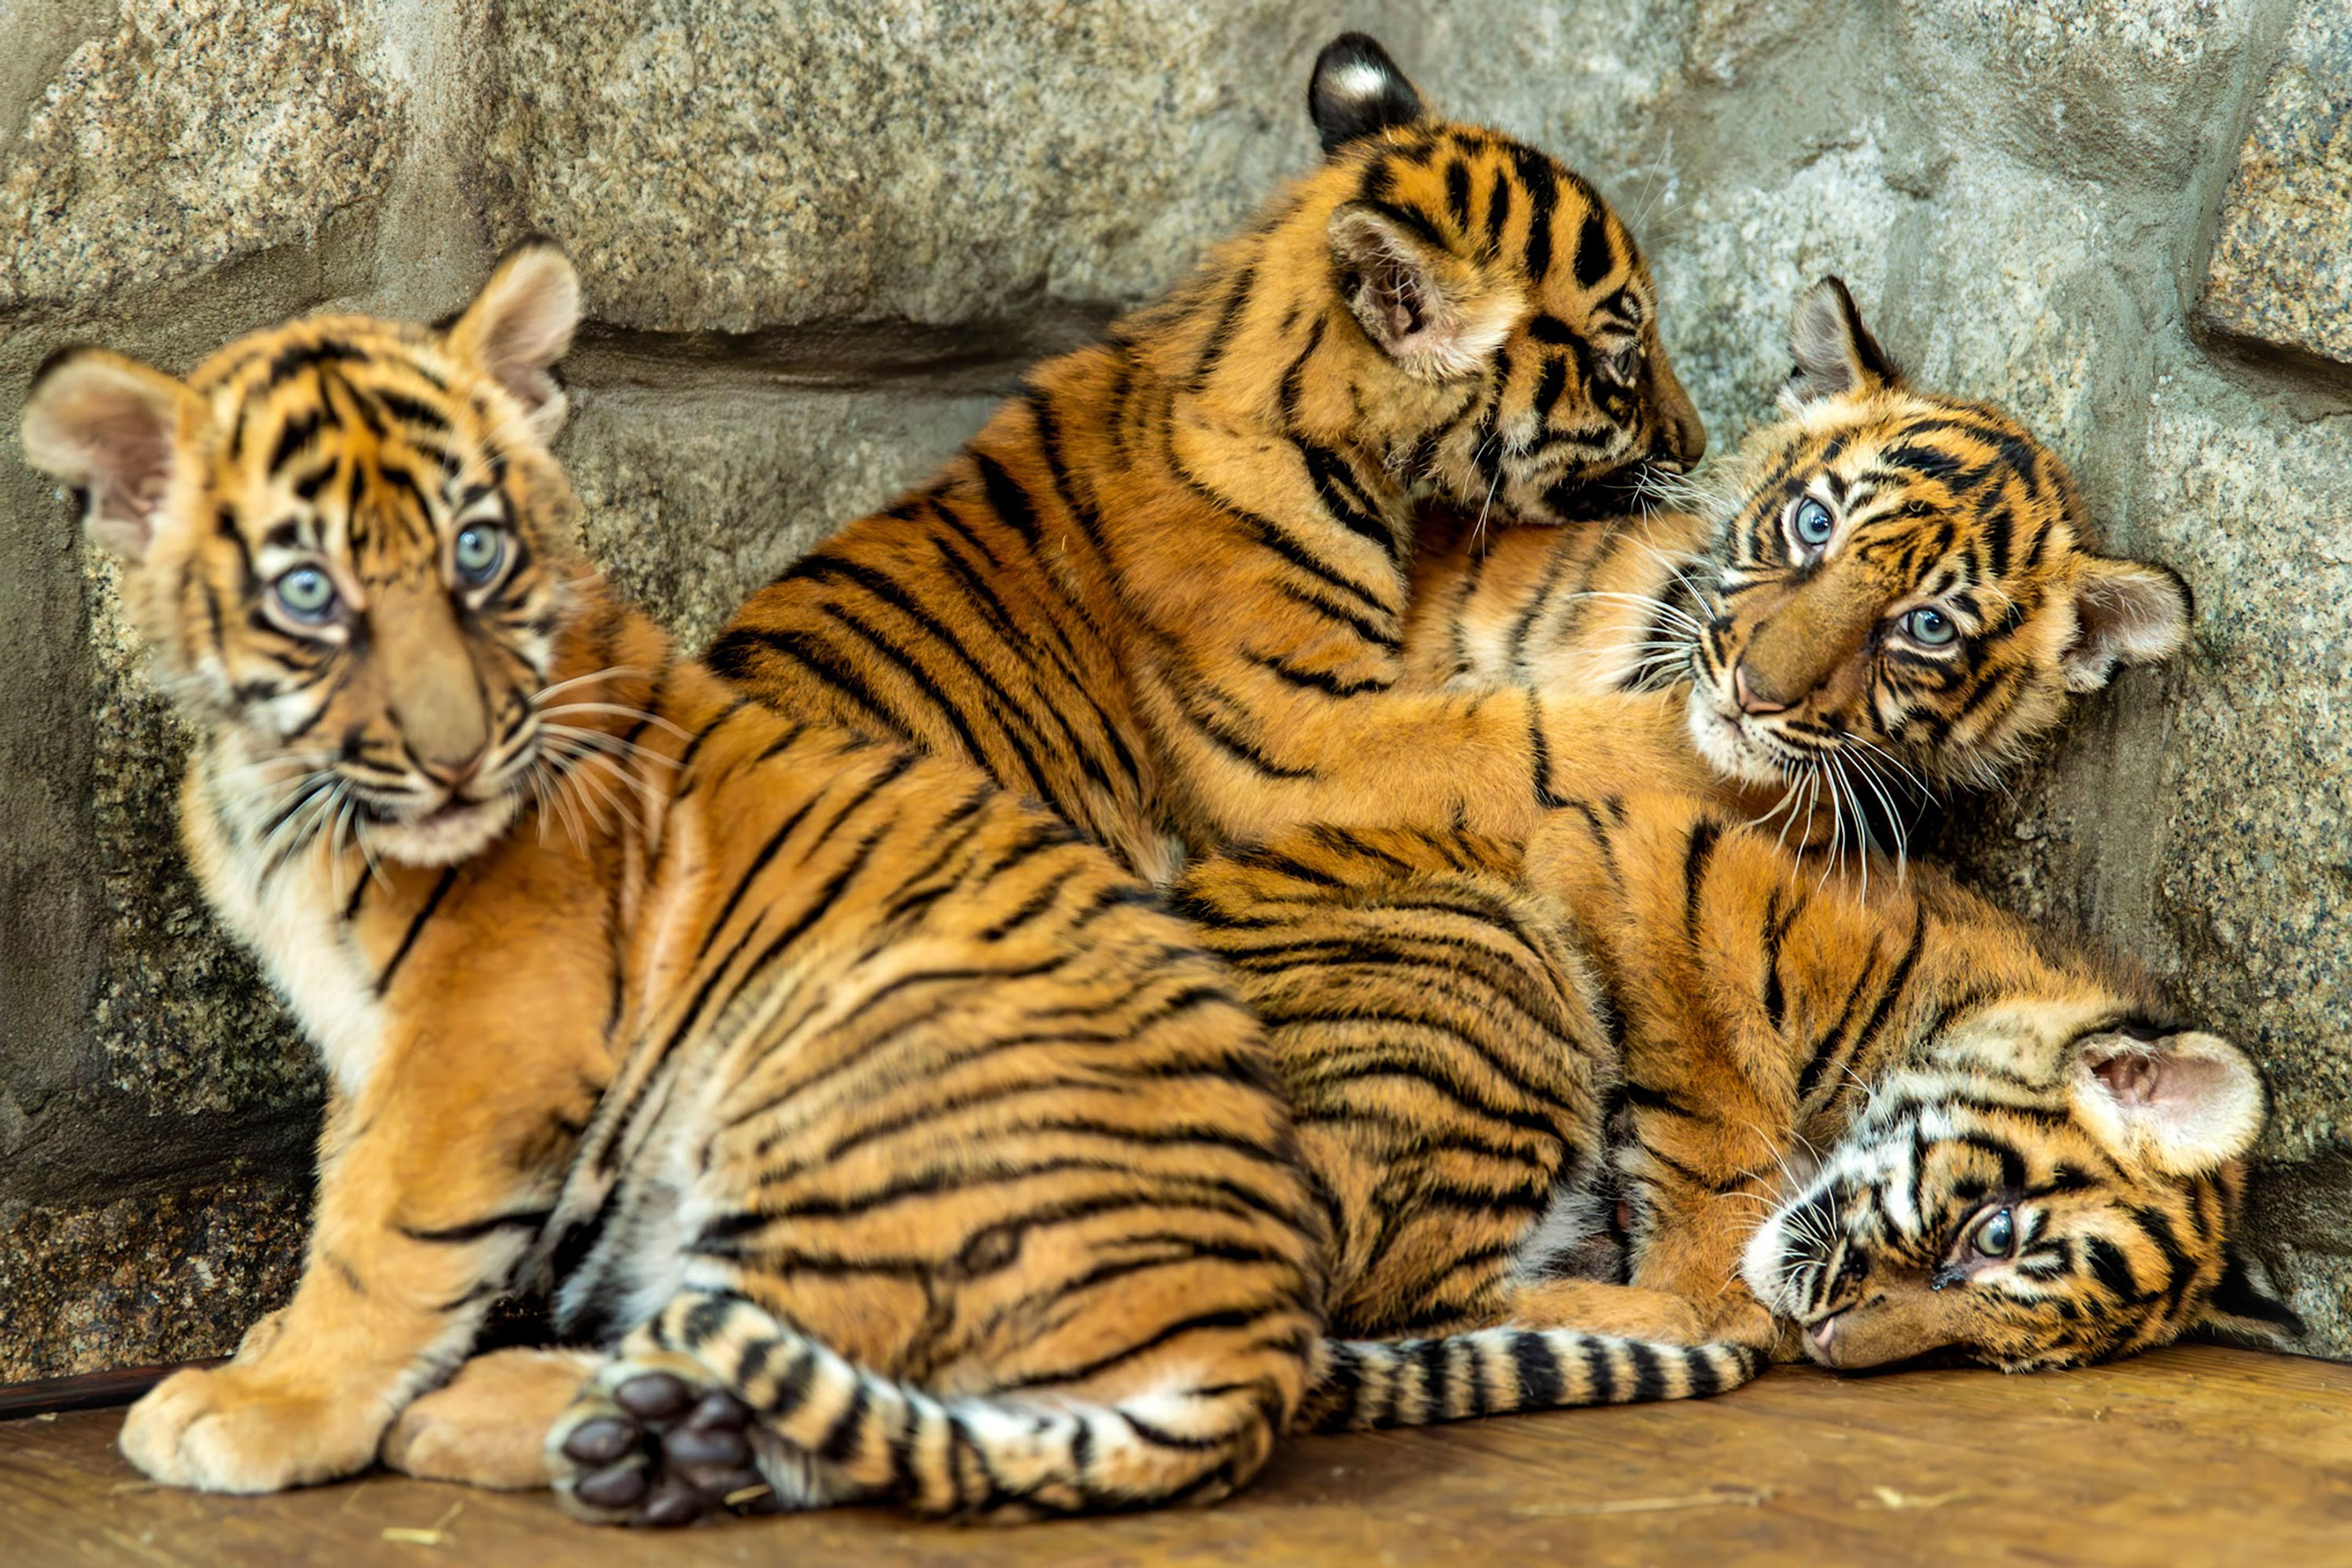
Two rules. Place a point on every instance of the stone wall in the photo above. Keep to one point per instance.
(819, 237)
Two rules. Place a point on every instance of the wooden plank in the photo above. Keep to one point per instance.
(2192, 1455)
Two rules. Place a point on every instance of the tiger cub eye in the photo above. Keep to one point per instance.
(1929, 627)
(306, 594)
(1997, 1236)
(1812, 524)
(478, 552)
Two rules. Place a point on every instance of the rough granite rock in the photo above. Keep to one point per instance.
(775, 162)
(157, 1277)
(2280, 271)
(693, 496)
(196, 132)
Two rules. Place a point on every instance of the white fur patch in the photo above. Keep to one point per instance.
(1361, 79)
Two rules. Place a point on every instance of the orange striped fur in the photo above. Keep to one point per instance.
(889, 1137)
(1165, 589)
(700, 1015)
(1790, 606)
(1658, 1080)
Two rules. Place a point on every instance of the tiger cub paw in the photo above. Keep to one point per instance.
(654, 1440)
(230, 1430)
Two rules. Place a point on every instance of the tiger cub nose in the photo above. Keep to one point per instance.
(1749, 701)
(451, 775)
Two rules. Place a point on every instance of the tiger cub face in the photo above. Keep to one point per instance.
(346, 546)
(2055, 1186)
(1509, 354)
(1904, 579)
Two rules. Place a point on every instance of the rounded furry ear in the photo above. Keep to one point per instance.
(520, 324)
(1418, 302)
(2183, 1102)
(108, 428)
(1834, 352)
(2125, 612)
(1357, 90)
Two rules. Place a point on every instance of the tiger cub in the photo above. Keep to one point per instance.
(1165, 589)
(886, 1140)
(1858, 1122)
(1894, 595)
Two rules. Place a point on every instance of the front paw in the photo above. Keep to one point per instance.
(227, 1430)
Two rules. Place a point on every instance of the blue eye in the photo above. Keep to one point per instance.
(306, 594)
(478, 551)
(1812, 523)
(1929, 627)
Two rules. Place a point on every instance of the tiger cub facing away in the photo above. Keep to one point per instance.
(884, 1139)
(1165, 588)
(1859, 1123)
(1893, 594)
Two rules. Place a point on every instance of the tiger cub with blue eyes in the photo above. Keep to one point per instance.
(875, 1136)
(1858, 1123)
(1895, 596)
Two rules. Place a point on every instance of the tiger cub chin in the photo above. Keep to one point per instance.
(1891, 593)
(1646, 1079)
(876, 1136)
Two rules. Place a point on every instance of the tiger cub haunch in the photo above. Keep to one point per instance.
(1165, 589)
(811, 1075)
(876, 1136)
(1894, 592)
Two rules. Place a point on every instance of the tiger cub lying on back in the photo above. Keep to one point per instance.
(1862, 1122)
(1895, 594)
(888, 1138)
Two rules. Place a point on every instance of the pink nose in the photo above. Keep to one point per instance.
(1749, 701)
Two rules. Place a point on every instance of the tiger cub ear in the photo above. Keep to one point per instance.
(108, 427)
(1421, 305)
(2185, 1102)
(1357, 90)
(1834, 352)
(2125, 612)
(2246, 1309)
(520, 324)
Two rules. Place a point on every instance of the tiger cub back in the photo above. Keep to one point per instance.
(1887, 595)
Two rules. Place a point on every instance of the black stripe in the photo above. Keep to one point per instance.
(415, 927)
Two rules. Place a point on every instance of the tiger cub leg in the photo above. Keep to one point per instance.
(1599, 1307)
(488, 1425)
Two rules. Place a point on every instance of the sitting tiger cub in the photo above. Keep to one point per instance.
(887, 1137)
(1864, 1124)
(1895, 594)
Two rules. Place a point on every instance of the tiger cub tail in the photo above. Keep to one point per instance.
(662, 1426)
(1363, 1384)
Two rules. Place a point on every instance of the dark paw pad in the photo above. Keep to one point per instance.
(663, 1452)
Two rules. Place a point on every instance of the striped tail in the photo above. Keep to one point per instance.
(853, 1434)
(1362, 1384)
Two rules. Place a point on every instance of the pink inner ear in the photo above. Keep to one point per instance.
(2174, 1081)
(2131, 1078)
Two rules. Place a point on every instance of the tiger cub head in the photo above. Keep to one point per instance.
(2055, 1185)
(348, 550)
(1498, 339)
(1903, 578)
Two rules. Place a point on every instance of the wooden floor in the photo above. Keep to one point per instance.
(2188, 1457)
